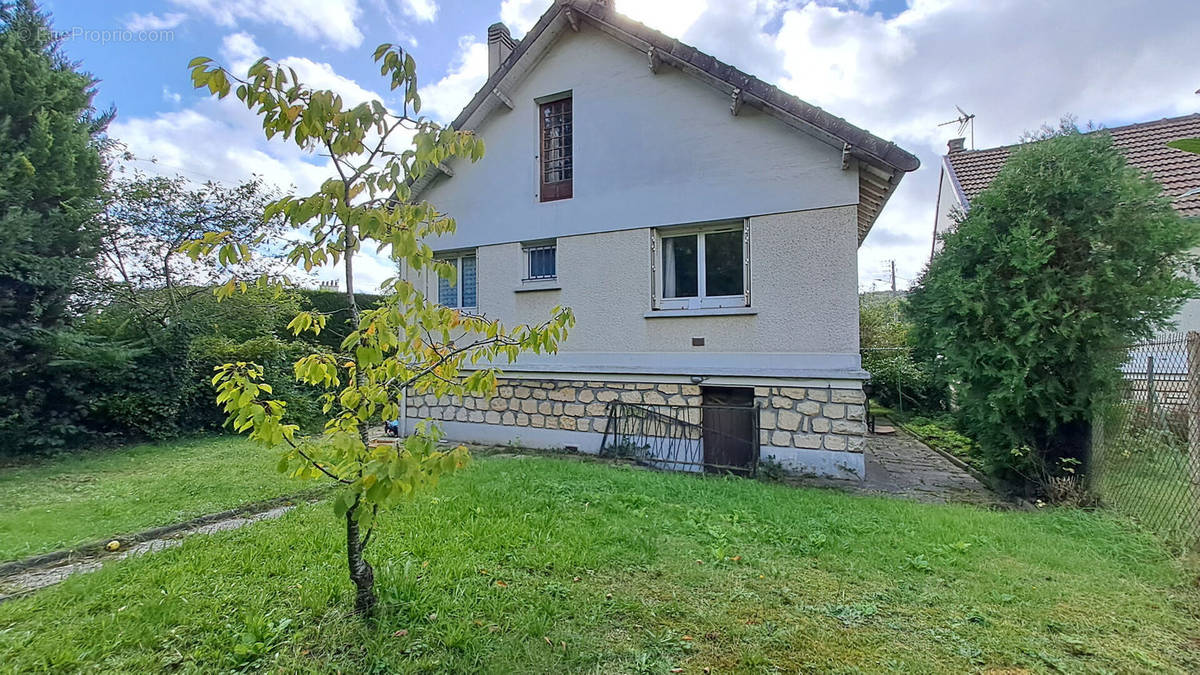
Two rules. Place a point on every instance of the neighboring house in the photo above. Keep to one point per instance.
(966, 173)
(703, 225)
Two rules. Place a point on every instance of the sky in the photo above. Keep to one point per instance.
(896, 68)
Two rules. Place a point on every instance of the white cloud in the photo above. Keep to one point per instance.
(421, 10)
(240, 51)
(329, 21)
(1016, 65)
(222, 140)
(397, 20)
(520, 15)
(171, 96)
(150, 21)
(673, 17)
(445, 98)
(322, 76)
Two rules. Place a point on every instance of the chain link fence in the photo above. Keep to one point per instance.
(1145, 459)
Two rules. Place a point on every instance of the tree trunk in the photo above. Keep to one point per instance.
(361, 572)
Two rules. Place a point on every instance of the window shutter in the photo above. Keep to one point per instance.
(653, 271)
(746, 260)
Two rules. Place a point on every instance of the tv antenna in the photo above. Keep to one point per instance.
(965, 120)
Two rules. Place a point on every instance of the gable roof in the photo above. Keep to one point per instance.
(1144, 145)
(881, 163)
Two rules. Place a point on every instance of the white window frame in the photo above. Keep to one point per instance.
(526, 248)
(456, 259)
(702, 299)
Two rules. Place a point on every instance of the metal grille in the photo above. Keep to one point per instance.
(673, 438)
(557, 132)
(1146, 445)
(540, 262)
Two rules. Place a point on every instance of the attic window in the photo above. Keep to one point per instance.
(557, 167)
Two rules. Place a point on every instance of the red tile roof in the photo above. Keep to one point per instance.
(1145, 147)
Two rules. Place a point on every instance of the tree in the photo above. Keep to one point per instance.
(407, 343)
(147, 219)
(51, 138)
(902, 377)
(151, 321)
(1065, 261)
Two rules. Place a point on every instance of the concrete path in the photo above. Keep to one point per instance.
(901, 465)
(22, 581)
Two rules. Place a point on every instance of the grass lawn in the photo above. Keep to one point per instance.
(1146, 476)
(77, 499)
(560, 565)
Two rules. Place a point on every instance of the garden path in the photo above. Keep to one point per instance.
(900, 465)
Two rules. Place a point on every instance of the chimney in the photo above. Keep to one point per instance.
(956, 145)
(500, 45)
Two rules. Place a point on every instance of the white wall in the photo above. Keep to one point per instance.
(947, 202)
(1188, 318)
(802, 295)
(649, 150)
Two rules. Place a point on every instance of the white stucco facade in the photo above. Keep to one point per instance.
(948, 203)
(656, 151)
(801, 322)
(649, 150)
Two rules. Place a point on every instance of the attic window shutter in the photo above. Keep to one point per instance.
(557, 163)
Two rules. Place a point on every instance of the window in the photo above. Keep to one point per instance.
(706, 267)
(557, 166)
(459, 291)
(540, 261)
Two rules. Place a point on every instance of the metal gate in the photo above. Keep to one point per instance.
(674, 437)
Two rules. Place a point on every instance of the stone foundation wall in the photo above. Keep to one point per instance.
(551, 404)
(807, 418)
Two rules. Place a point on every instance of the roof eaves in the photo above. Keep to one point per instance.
(495, 78)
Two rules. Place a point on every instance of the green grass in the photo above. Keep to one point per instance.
(77, 499)
(557, 565)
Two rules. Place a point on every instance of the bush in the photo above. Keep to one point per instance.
(274, 355)
(334, 303)
(145, 379)
(1066, 260)
(898, 378)
(940, 433)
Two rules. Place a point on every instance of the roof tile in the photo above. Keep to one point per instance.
(1144, 145)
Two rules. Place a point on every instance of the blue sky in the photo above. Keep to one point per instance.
(896, 68)
(133, 74)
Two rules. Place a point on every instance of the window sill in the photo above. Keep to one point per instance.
(538, 285)
(703, 311)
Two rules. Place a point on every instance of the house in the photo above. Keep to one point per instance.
(966, 173)
(702, 224)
